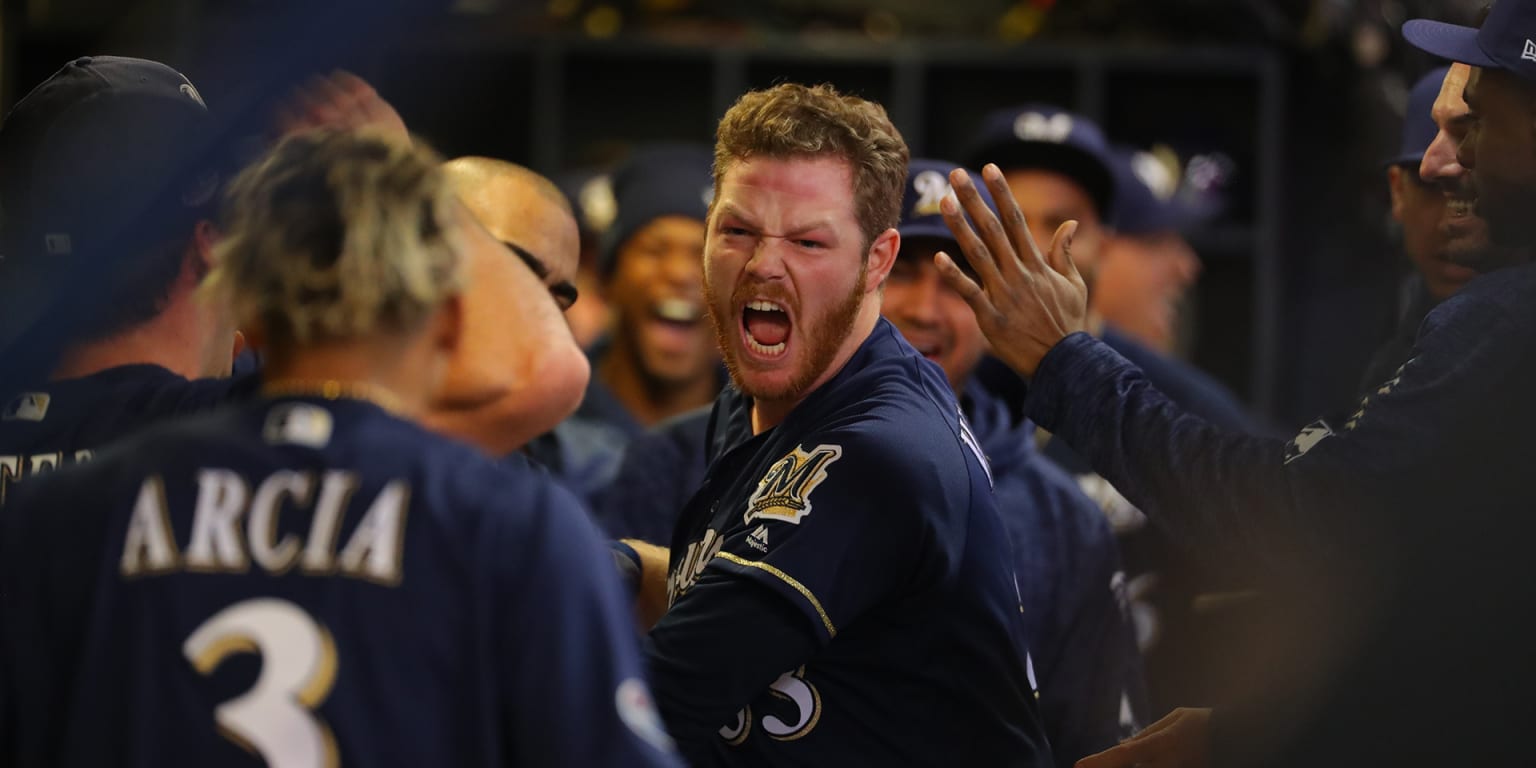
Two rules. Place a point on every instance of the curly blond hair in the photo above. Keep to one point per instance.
(333, 235)
(792, 120)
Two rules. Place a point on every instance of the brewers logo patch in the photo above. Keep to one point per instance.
(784, 494)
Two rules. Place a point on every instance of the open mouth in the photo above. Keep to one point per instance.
(765, 326)
(1460, 207)
(678, 312)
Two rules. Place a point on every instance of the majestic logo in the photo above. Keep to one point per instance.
(784, 493)
(1033, 126)
(1529, 54)
(29, 406)
(758, 539)
(931, 187)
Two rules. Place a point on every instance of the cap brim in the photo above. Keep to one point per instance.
(936, 230)
(1448, 41)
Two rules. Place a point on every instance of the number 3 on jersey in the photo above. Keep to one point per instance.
(275, 718)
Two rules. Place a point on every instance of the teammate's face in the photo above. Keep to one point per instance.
(788, 275)
(1049, 199)
(539, 230)
(933, 318)
(1141, 284)
(1422, 210)
(1462, 235)
(1500, 150)
(656, 296)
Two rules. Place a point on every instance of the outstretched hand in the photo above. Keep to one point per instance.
(1026, 301)
(340, 101)
(1180, 740)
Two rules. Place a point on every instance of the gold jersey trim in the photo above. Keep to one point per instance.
(787, 579)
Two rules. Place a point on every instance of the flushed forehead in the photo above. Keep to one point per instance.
(789, 192)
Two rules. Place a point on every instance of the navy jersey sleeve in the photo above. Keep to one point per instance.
(838, 525)
(711, 654)
(1261, 501)
(574, 683)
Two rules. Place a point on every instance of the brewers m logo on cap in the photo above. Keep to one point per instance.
(784, 494)
(931, 187)
(1034, 126)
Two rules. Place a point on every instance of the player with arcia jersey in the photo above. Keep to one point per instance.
(311, 579)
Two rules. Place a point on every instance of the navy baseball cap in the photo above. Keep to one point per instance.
(657, 180)
(1507, 39)
(1154, 194)
(108, 154)
(590, 193)
(1419, 127)
(927, 186)
(1043, 136)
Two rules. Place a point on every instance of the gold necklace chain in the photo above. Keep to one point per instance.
(331, 389)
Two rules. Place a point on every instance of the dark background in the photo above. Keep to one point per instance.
(1304, 96)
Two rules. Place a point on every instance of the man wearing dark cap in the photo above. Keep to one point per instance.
(660, 359)
(1147, 266)
(1401, 535)
(1077, 620)
(108, 195)
(1438, 227)
(1060, 168)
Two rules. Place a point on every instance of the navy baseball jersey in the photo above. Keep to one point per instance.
(1399, 539)
(850, 574)
(1081, 639)
(302, 582)
(64, 422)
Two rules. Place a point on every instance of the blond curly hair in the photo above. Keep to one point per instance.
(334, 235)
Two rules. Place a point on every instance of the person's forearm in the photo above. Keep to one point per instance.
(651, 597)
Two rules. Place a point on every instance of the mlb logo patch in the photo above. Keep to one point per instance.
(299, 424)
(28, 406)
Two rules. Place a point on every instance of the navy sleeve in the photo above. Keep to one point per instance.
(574, 682)
(1263, 502)
(710, 655)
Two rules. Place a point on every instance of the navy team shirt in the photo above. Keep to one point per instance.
(1398, 540)
(1081, 637)
(300, 582)
(64, 422)
(842, 586)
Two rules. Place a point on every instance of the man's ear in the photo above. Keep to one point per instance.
(882, 256)
(1395, 181)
